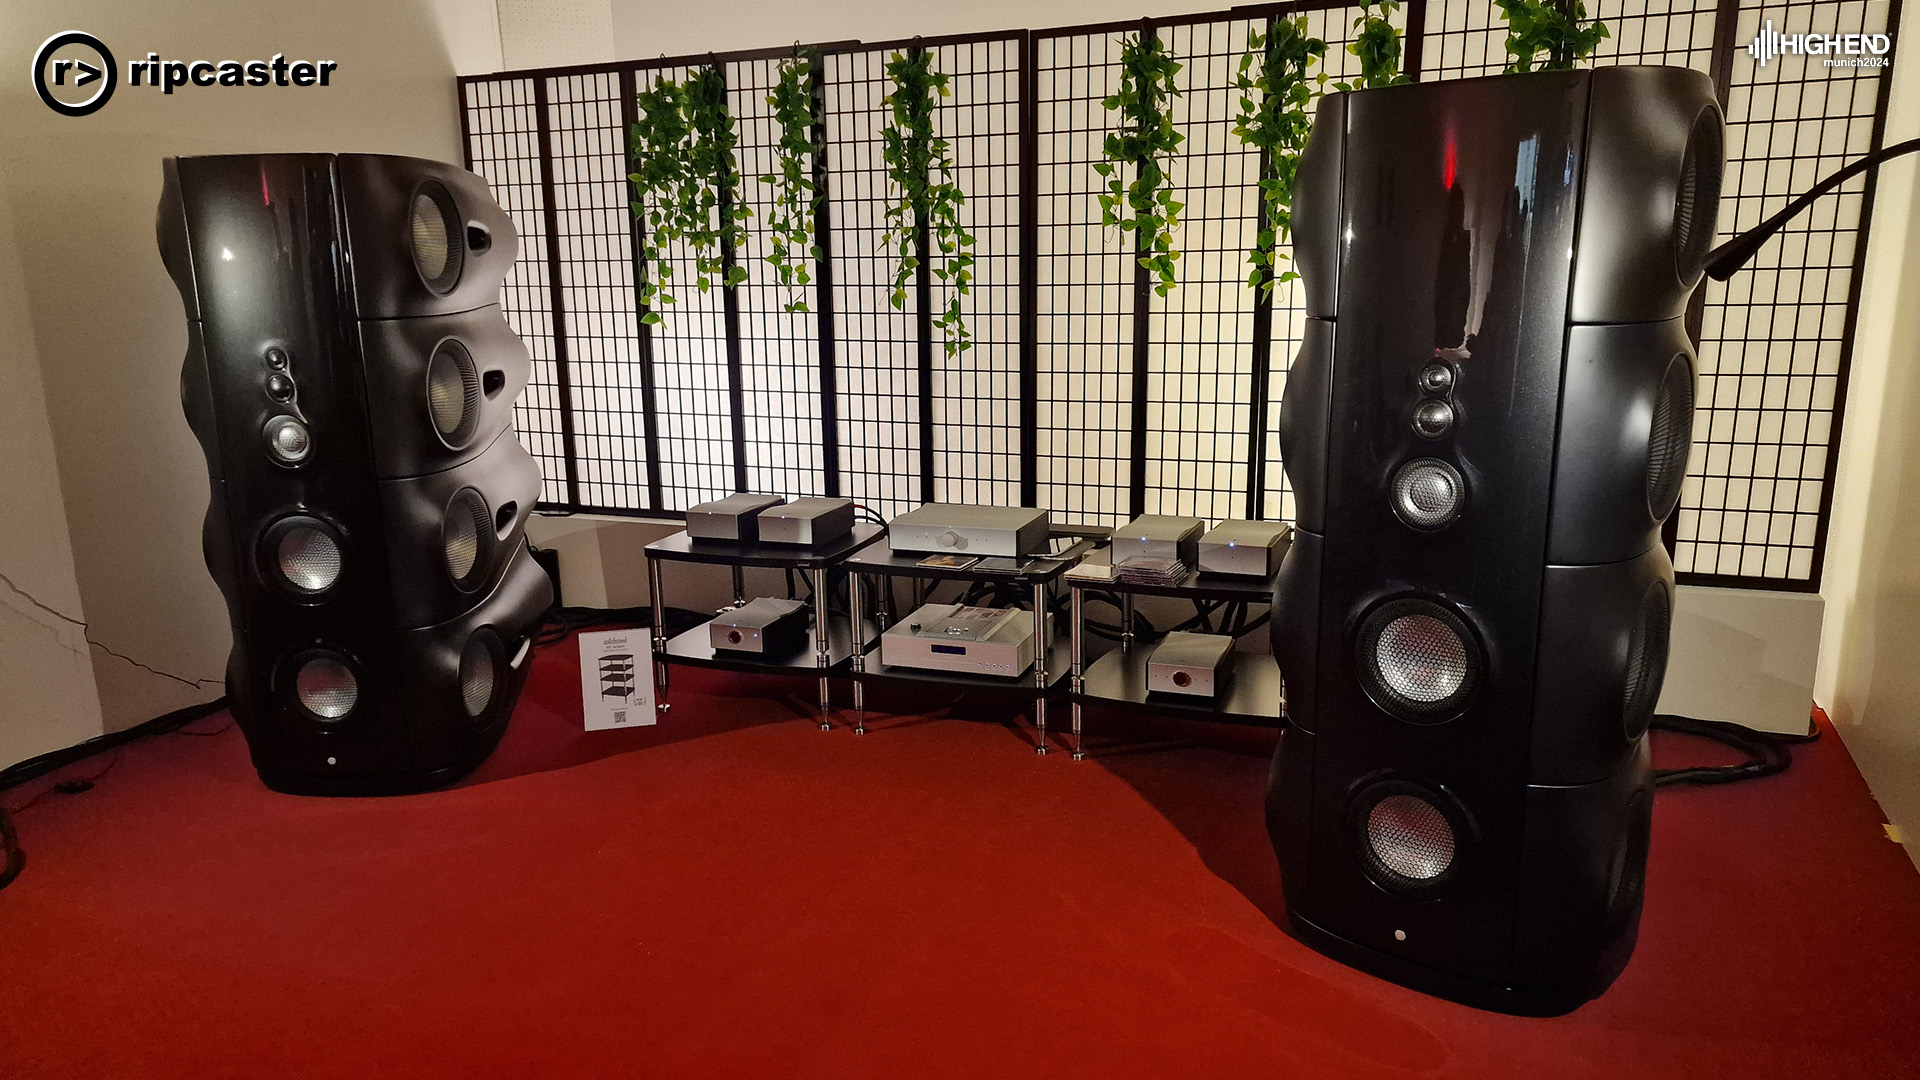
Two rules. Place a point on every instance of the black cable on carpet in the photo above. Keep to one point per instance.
(1766, 752)
(12, 858)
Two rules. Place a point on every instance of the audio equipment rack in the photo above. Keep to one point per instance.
(1051, 657)
(832, 639)
(1118, 678)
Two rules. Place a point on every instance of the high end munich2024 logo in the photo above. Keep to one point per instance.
(75, 74)
(1840, 50)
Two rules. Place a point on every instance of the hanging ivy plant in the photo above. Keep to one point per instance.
(681, 149)
(791, 247)
(1274, 95)
(1376, 44)
(1558, 28)
(1145, 141)
(924, 194)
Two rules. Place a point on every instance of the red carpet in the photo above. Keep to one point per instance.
(739, 894)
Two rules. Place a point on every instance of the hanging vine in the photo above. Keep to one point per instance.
(1558, 28)
(791, 247)
(681, 150)
(920, 179)
(1146, 141)
(1376, 44)
(1274, 95)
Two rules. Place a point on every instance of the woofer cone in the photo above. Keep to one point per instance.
(436, 238)
(302, 556)
(1418, 660)
(453, 394)
(466, 535)
(1627, 870)
(1670, 438)
(325, 687)
(1410, 839)
(1646, 661)
(481, 666)
(1696, 207)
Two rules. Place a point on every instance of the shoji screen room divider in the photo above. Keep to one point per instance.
(1084, 392)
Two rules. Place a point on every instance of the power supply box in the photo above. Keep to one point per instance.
(735, 517)
(763, 627)
(1157, 536)
(1245, 548)
(953, 637)
(946, 528)
(813, 522)
(1192, 664)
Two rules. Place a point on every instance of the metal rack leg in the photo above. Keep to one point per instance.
(739, 586)
(1078, 630)
(1126, 621)
(659, 636)
(823, 653)
(859, 663)
(1042, 639)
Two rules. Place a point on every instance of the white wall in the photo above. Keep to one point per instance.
(47, 698)
(1869, 679)
(107, 322)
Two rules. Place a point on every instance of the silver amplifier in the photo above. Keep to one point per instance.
(952, 637)
(949, 528)
(1186, 663)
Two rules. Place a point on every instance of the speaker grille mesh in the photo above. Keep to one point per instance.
(1647, 661)
(1417, 660)
(1409, 838)
(477, 674)
(1696, 209)
(453, 394)
(308, 559)
(1670, 439)
(326, 688)
(1627, 879)
(1427, 493)
(436, 234)
(467, 528)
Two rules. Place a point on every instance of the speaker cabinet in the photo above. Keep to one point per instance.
(1486, 424)
(350, 378)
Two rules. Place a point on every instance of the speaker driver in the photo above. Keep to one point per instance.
(1670, 439)
(1427, 493)
(288, 440)
(453, 394)
(436, 236)
(467, 532)
(1647, 660)
(1409, 837)
(1418, 660)
(325, 687)
(479, 668)
(302, 555)
(1696, 208)
(1627, 873)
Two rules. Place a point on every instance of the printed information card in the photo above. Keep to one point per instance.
(616, 678)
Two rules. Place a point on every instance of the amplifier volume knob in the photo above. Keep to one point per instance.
(950, 539)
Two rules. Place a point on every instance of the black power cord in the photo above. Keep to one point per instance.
(12, 858)
(1766, 752)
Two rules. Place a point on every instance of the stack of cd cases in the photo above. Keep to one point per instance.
(1151, 570)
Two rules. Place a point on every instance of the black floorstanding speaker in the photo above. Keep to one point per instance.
(1487, 422)
(351, 378)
